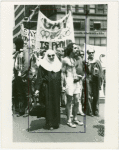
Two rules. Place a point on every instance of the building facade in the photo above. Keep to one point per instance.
(90, 21)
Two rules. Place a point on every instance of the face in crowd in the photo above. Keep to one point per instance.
(51, 56)
(75, 50)
(91, 54)
(82, 54)
(60, 52)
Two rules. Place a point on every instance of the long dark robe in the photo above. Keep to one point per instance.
(49, 85)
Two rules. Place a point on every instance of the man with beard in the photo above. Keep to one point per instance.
(70, 84)
(94, 77)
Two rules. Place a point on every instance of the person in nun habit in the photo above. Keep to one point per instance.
(48, 86)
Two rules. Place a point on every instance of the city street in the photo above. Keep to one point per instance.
(91, 131)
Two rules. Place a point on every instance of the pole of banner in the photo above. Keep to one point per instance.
(69, 9)
(21, 29)
(33, 13)
(86, 13)
(36, 42)
(30, 17)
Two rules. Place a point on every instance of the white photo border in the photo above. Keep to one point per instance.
(111, 102)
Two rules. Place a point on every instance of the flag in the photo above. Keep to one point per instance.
(28, 35)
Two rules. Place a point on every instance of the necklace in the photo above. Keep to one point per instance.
(72, 61)
(74, 65)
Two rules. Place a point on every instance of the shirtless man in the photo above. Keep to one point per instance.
(70, 84)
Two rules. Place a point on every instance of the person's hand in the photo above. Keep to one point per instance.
(83, 77)
(63, 89)
(36, 93)
(79, 77)
(24, 80)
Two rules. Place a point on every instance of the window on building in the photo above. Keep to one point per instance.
(92, 9)
(98, 25)
(80, 40)
(79, 25)
(103, 41)
(63, 8)
(98, 41)
(100, 9)
(73, 8)
(80, 8)
(104, 25)
(105, 9)
(91, 41)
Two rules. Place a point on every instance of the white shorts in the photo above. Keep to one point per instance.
(71, 87)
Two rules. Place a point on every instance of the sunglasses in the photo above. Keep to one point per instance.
(75, 47)
(51, 55)
(90, 52)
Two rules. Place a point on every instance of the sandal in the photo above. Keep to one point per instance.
(71, 125)
(78, 122)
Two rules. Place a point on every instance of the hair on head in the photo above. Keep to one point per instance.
(19, 43)
(69, 49)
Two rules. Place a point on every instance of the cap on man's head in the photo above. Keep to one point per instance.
(91, 50)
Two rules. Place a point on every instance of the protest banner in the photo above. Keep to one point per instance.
(28, 36)
(54, 34)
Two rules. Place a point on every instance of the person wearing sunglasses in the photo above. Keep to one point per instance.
(93, 84)
(48, 87)
(70, 84)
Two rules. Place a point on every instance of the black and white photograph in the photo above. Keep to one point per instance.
(59, 72)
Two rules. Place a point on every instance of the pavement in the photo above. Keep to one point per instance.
(30, 129)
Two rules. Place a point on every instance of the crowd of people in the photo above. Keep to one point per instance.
(60, 78)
